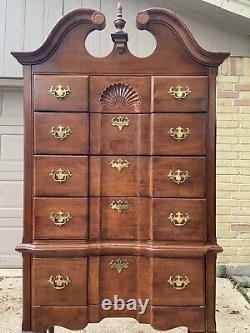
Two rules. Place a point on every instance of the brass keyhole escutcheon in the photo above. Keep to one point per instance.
(119, 264)
(178, 282)
(120, 122)
(119, 164)
(179, 92)
(59, 282)
(60, 132)
(60, 91)
(179, 133)
(179, 219)
(178, 176)
(60, 175)
(119, 205)
(60, 218)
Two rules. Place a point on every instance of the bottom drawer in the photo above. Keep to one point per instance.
(59, 281)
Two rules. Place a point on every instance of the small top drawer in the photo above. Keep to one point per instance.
(60, 93)
(180, 93)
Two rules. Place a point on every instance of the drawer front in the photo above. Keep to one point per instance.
(60, 93)
(60, 176)
(179, 134)
(61, 133)
(179, 219)
(59, 281)
(119, 175)
(121, 94)
(180, 94)
(179, 177)
(60, 218)
(119, 134)
(178, 282)
(119, 218)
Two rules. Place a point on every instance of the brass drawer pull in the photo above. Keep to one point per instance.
(179, 133)
(179, 92)
(119, 164)
(178, 282)
(60, 218)
(59, 282)
(60, 176)
(120, 122)
(60, 132)
(178, 176)
(119, 264)
(179, 219)
(119, 205)
(60, 92)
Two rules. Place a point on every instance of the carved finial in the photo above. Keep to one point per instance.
(119, 22)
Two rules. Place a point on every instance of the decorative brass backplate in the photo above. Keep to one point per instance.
(60, 132)
(59, 282)
(179, 92)
(60, 92)
(119, 164)
(60, 218)
(60, 176)
(179, 219)
(119, 205)
(120, 122)
(119, 264)
(179, 133)
(178, 282)
(178, 176)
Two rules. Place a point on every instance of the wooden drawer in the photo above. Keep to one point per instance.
(119, 218)
(60, 218)
(59, 281)
(196, 99)
(119, 175)
(123, 94)
(179, 177)
(178, 282)
(61, 133)
(179, 134)
(71, 96)
(179, 219)
(70, 172)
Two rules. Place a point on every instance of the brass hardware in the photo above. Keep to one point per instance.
(60, 176)
(119, 264)
(120, 122)
(119, 164)
(179, 219)
(60, 92)
(119, 205)
(179, 133)
(60, 132)
(178, 176)
(59, 282)
(179, 92)
(60, 218)
(179, 282)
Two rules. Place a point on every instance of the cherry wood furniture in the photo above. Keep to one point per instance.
(119, 191)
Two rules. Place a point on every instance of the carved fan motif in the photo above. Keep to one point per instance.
(119, 94)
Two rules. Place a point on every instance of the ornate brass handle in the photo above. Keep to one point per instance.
(119, 164)
(60, 218)
(179, 219)
(178, 176)
(119, 264)
(59, 282)
(60, 92)
(179, 133)
(60, 132)
(60, 176)
(179, 92)
(178, 282)
(119, 205)
(120, 122)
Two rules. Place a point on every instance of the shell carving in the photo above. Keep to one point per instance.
(119, 94)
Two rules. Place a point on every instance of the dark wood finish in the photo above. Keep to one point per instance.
(76, 101)
(75, 143)
(119, 85)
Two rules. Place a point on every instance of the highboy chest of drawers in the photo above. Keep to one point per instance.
(119, 177)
